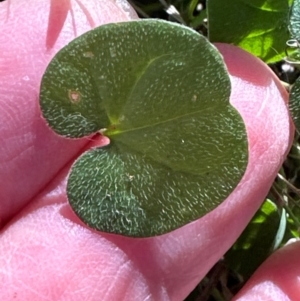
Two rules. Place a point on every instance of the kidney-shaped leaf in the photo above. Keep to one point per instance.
(160, 92)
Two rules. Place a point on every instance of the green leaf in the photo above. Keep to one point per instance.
(258, 26)
(294, 104)
(294, 22)
(293, 55)
(262, 235)
(160, 92)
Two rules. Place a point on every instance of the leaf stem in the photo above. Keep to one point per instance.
(292, 215)
(290, 185)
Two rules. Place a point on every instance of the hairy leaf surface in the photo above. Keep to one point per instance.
(160, 92)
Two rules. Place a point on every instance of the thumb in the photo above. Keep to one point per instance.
(277, 279)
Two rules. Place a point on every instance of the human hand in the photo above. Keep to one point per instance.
(46, 252)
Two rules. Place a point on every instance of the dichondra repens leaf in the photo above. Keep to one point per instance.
(160, 92)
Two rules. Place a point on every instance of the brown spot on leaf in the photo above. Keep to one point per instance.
(88, 54)
(74, 96)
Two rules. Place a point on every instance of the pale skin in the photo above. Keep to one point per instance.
(46, 253)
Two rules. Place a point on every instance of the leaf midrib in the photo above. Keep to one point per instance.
(161, 122)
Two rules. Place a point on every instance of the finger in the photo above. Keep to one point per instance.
(48, 239)
(277, 279)
(31, 33)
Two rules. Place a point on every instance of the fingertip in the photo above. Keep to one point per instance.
(277, 279)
